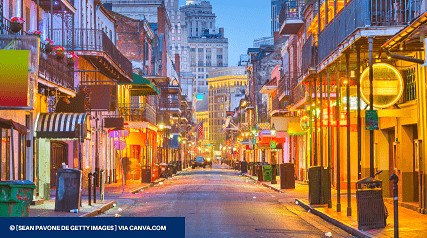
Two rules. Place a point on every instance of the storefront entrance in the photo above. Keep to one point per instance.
(58, 155)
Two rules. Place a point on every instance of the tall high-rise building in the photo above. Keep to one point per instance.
(276, 6)
(226, 89)
(207, 44)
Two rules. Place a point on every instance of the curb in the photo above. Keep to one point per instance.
(264, 184)
(335, 222)
(99, 210)
(147, 186)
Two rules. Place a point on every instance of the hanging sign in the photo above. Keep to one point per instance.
(371, 120)
(387, 85)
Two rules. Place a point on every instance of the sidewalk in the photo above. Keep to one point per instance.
(46, 208)
(411, 223)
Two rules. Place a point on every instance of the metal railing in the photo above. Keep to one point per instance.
(56, 71)
(284, 87)
(364, 13)
(308, 55)
(91, 40)
(137, 112)
(292, 10)
(298, 93)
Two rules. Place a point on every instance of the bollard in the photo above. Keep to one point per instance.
(89, 188)
(101, 185)
(395, 180)
(273, 174)
(94, 186)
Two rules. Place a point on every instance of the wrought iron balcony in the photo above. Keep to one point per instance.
(360, 14)
(57, 5)
(298, 95)
(138, 112)
(291, 17)
(284, 88)
(308, 55)
(96, 46)
(56, 71)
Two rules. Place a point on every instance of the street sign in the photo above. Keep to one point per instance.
(371, 120)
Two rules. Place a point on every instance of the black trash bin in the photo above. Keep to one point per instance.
(179, 165)
(371, 212)
(254, 169)
(287, 176)
(319, 189)
(244, 167)
(145, 174)
(259, 172)
(68, 189)
(163, 170)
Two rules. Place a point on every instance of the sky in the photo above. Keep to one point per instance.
(243, 21)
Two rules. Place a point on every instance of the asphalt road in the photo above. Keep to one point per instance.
(218, 202)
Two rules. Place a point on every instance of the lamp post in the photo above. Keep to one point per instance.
(347, 88)
(273, 160)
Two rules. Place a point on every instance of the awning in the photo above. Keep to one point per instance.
(10, 124)
(62, 125)
(141, 86)
(265, 137)
(294, 129)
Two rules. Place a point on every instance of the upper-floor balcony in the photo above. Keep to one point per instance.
(291, 17)
(299, 98)
(171, 106)
(269, 87)
(381, 18)
(55, 71)
(284, 87)
(98, 48)
(139, 112)
(57, 5)
(277, 106)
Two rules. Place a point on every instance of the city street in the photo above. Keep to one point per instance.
(218, 202)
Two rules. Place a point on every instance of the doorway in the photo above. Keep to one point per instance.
(58, 155)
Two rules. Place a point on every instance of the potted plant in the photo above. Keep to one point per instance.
(37, 33)
(48, 45)
(16, 24)
(59, 52)
(71, 58)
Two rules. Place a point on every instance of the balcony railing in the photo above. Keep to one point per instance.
(56, 71)
(308, 55)
(284, 88)
(298, 93)
(91, 40)
(357, 15)
(138, 112)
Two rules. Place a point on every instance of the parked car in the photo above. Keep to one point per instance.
(199, 161)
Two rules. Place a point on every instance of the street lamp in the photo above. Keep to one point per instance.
(273, 160)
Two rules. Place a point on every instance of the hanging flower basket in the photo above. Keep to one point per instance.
(71, 59)
(48, 45)
(59, 52)
(16, 24)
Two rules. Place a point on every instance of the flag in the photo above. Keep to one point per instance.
(200, 130)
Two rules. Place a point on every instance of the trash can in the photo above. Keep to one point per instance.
(244, 167)
(259, 172)
(370, 204)
(287, 176)
(267, 172)
(179, 165)
(319, 189)
(16, 196)
(145, 174)
(164, 170)
(68, 189)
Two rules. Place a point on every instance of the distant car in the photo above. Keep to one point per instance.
(199, 161)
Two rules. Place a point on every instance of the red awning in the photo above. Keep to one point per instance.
(265, 138)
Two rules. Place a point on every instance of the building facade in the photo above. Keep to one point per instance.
(208, 47)
(226, 89)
